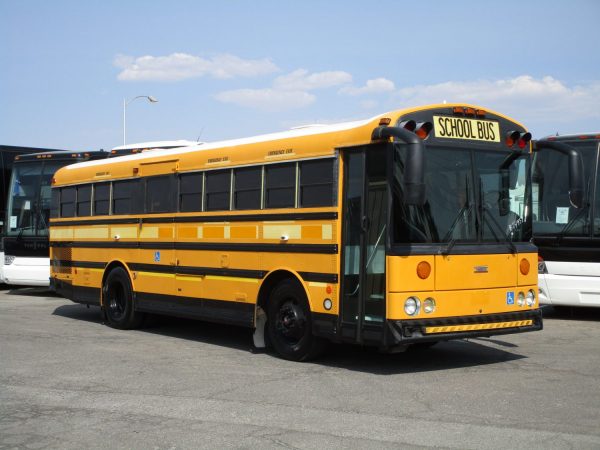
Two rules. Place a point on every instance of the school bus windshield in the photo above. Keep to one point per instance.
(471, 198)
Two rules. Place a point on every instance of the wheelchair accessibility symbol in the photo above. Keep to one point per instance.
(510, 298)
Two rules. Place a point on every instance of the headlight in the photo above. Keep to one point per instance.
(530, 299)
(521, 299)
(429, 305)
(8, 259)
(412, 306)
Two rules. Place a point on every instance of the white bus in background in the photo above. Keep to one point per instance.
(568, 237)
(25, 239)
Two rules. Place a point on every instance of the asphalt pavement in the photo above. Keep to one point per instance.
(68, 381)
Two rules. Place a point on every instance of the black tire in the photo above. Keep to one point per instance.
(117, 295)
(289, 323)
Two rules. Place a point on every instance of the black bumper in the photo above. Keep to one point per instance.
(412, 331)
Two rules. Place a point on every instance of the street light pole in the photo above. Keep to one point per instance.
(127, 102)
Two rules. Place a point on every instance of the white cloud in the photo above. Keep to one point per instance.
(290, 91)
(374, 86)
(181, 66)
(301, 80)
(523, 97)
(267, 99)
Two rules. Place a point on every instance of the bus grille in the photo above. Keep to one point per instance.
(62, 260)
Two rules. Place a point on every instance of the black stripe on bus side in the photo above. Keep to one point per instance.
(187, 270)
(319, 277)
(190, 270)
(78, 264)
(214, 246)
(220, 311)
(188, 219)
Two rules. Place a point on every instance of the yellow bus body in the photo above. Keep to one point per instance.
(242, 251)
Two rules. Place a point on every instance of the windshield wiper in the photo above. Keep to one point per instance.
(465, 211)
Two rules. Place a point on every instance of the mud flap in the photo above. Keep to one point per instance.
(258, 338)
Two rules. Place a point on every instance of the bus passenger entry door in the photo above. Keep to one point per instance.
(363, 271)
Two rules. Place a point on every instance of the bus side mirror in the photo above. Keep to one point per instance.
(414, 176)
(414, 166)
(507, 182)
(576, 190)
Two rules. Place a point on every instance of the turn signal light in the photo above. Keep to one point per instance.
(385, 121)
(423, 270)
(423, 129)
(469, 111)
(458, 110)
(524, 266)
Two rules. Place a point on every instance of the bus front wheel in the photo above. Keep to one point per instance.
(289, 323)
(117, 295)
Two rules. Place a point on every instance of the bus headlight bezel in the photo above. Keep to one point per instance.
(412, 305)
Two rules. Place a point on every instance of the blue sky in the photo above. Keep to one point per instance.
(239, 68)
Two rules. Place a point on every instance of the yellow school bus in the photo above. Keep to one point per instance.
(409, 228)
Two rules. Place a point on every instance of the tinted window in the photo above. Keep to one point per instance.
(160, 194)
(84, 200)
(597, 207)
(101, 199)
(190, 192)
(126, 197)
(247, 188)
(218, 186)
(54, 202)
(67, 202)
(280, 185)
(316, 183)
(552, 208)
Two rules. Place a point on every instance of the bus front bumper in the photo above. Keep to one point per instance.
(444, 329)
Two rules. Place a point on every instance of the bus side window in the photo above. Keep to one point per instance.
(280, 185)
(84, 200)
(316, 183)
(597, 207)
(160, 193)
(247, 188)
(67, 202)
(126, 197)
(218, 188)
(101, 199)
(190, 192)
(54, 202)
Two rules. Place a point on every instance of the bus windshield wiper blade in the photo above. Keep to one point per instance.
(464, 212)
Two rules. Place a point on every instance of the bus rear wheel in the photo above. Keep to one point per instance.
(289, 323)
(117, 295)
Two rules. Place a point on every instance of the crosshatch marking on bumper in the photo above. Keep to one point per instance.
(478, 326)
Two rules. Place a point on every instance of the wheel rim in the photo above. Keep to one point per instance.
(116, 301)
(290, 322)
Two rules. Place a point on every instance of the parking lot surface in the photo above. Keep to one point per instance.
(68, 381)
